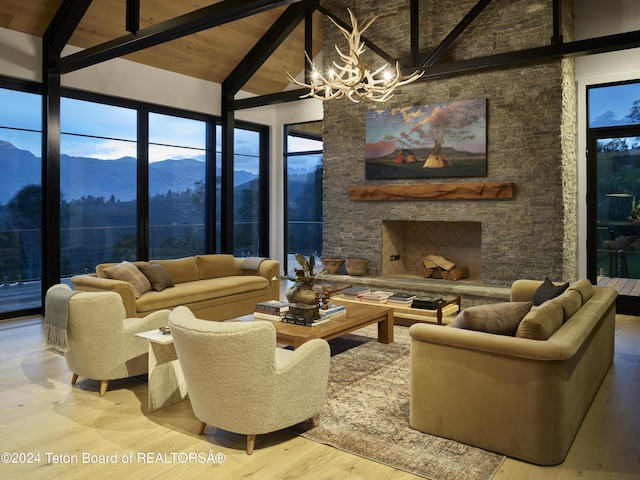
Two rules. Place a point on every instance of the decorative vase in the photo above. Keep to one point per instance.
(356, 266)
(331, 264)
(302, 292)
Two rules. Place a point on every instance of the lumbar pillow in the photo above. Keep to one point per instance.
(541, 322)
(584, 288)
(498, 318)
(571, 301)
(547, 291)
(158, 277)
(128, 272)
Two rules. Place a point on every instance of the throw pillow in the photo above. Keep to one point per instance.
(571, 301)
(158, 277)
(498, 318)
(584, 288)
(547, 291)
(541, 322)
(128, 272)
(216, 266)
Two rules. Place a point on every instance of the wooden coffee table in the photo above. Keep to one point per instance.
(357, 316)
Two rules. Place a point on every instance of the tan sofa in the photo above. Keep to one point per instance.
(214, 287)
(520, 397)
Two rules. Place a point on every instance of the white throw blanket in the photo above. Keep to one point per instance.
(56, 316)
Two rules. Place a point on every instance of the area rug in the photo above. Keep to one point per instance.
(367, 413)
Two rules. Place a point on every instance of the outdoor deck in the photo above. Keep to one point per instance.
(625, 286)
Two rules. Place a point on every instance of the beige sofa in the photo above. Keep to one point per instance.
(520, 397)
(214, 287)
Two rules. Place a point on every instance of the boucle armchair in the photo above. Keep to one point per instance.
(239, 381)
(102, 342)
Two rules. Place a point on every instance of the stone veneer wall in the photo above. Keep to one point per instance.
(531, 116)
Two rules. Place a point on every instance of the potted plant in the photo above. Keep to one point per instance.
(303, 281)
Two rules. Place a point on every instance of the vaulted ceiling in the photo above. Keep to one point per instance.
(233, 49)
(208, 55)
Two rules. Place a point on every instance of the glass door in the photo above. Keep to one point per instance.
(614, 209)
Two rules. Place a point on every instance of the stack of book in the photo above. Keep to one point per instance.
(404, 299)
(378, 296)
(355, 293)
(426, 303)
(301, 314)
(271, 310)
(332, 311)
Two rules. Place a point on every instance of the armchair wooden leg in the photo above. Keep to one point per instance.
(201, 429)
(251, 442)
(103, 387)
(313, 421)
(74, 379)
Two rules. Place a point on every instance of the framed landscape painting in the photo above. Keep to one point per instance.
(428, 141)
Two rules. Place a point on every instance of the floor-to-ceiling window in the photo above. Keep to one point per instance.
(20, 200)
(250, 197)
(614, 181)
(98, 185)
(303, 191)
(177, 168)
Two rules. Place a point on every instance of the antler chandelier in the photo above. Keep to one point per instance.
(352, 79)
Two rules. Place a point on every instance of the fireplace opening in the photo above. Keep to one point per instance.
(406, 243)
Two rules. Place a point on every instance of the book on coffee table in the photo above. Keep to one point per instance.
(401, 298)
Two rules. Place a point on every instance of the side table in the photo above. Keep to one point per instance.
(166, 381)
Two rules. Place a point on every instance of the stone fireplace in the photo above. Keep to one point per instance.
(406, 243)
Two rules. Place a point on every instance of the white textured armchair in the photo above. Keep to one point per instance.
(102, 343)
(239, 381)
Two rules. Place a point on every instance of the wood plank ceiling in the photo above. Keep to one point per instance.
(209, 55)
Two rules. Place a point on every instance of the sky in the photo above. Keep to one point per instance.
(609, 105)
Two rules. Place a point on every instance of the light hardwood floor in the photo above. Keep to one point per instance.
(42, 414)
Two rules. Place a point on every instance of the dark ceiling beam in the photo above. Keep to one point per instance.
(557, 22)
(63, 24)
(414, 30)
(591, 46)
(434, 57)
(270, 41)
(133, 16)
(269, 99)
(190, 23)
(308, 43)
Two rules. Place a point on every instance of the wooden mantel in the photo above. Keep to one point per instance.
(435, 191)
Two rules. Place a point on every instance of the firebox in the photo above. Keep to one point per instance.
(406, 243)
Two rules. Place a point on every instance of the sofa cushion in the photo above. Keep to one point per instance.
(216, 266)
(541, 322)
(128, 272)
(158, 277)
(570, 301)
(180, 269)
(499, 318)
(584, 288)
(547, 291)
